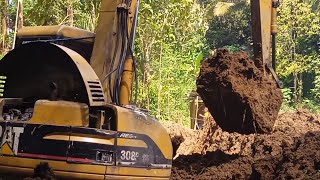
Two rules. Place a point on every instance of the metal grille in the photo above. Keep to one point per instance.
(96, 91)
(2, 82)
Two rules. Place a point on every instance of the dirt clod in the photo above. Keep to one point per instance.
(238, 94)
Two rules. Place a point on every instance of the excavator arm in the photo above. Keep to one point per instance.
(112, 57)
(264, 30)
(263, 16)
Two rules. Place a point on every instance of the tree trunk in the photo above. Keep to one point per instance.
(300, 88)
(147, 47)
(146, 77)
(4, 24)
(70, 14)
(293, 52)
(20, 15)
(160, 82)
(19, 21)
(93, 16)
(295, 87)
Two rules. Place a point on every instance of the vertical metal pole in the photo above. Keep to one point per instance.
(134, 27)
(274, 51)
(274, 31)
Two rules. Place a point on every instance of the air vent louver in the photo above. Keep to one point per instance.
(96, 91)
(2, 82)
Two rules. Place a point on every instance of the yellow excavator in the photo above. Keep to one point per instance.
(65, 96)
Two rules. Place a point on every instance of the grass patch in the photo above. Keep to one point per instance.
(1, 56)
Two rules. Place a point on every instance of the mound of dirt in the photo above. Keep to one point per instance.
(292, 151)
(237, 94)
(183, 139)
(213, 165)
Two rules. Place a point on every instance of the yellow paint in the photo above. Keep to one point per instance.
(56, 165)
(261, 30)
(63, 113)
(105, 42)
(6, 150)
(265, 12)
(274, 26)
(131, 121)
(57, 30)
(59, 174)
(80, 139)
(126, 82)
(83, 171)
(131, 143)
(96, 139)
(86, 71)
(115, 177)
(132, 171)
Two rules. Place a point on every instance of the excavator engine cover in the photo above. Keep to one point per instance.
(46, 71)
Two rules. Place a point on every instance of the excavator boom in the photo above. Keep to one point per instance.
(264, 30)
(264, 26)
(112, 56)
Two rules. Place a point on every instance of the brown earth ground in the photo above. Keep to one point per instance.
(291, 151)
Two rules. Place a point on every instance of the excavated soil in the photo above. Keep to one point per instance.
(237, 94)
(291, 151)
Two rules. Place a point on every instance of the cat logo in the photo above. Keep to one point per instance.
(10, 137)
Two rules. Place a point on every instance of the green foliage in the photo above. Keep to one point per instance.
(54, 12)
(234, 48)
(298, 50)
(287, 104)
(198, 61)
(230, 27)
(169, 43)
(310, 105)
(298, 27)
(287, 96)
(316, 90)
